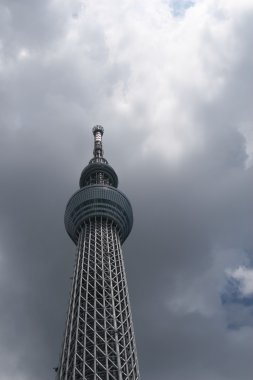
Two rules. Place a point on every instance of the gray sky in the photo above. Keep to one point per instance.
(172, 84)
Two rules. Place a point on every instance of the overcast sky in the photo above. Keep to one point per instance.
(172, 83)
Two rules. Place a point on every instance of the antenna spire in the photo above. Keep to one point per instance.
(98, 152)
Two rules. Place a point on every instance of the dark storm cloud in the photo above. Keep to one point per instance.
(177, 119)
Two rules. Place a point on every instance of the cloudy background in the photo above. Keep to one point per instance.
(172, 83)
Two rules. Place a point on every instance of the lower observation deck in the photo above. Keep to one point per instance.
(98, 200)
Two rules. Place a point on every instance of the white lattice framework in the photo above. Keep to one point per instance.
(99, 339)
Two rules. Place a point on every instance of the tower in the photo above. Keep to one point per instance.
(99, 339)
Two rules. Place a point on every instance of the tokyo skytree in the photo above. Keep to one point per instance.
(99, 338)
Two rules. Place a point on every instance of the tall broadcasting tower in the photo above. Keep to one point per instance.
(99, 338)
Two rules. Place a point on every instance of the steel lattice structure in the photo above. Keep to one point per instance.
(99, 339)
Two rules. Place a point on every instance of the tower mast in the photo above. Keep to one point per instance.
(99, 338)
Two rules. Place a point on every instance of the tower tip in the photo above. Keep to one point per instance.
(98, 132)
(98, 128)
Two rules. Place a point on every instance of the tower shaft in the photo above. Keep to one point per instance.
(99, 338)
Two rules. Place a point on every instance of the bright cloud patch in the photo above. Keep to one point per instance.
(237, 297)
(244, 276)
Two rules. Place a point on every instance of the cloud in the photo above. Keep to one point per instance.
(244, 276)
(172, 85)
